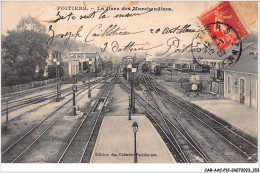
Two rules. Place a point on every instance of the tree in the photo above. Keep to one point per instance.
(23, 50)
(30, 24)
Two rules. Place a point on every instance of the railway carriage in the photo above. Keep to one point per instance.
(155, 69)
(200, 68)
(145, 68)
(182, 67)
(192, 68)
(109, 64)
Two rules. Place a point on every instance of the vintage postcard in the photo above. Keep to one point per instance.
(130, 82)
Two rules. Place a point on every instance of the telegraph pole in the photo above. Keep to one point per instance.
(57, 78)
(58, 83)
(171, 73)
(6, 110)
(74, 102)
(132, 96)
(57, 99)
(89, 91)
(133, 100)
(181, 79)
(129, 108)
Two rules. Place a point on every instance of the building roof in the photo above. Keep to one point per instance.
(245, 65)
(87, 55)
(253, 37)
(248, 62)
(91, 55)
(82, 53)
(129, 57)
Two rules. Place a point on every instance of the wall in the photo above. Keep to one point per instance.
(250, 88)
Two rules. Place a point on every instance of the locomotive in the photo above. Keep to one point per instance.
(107, 64)
(145, 68)
(152, 68)
(155, 69)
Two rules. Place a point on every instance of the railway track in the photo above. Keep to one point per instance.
(243, 143)
(168, 133)
(14, 95)
(19, 94)
(176, 88)
(81, 145)
(19, 147)
(189, 147)
(21, 103)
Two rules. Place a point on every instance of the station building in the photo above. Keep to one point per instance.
(241, 84)
(241, 78)
(74, 62)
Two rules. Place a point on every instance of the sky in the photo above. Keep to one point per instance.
(182, 13)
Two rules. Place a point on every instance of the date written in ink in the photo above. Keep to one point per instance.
(178, 29)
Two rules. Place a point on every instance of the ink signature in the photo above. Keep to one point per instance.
(132, 46)
(101, 15)
(95, 32)
(173, 47)
(111, 30)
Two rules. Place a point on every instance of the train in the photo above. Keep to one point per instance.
(128, 60)
(109, 64)
(155, 69)
(152, 68)
(199, 68)
(126, 69)
(106, 65)
(145, 67)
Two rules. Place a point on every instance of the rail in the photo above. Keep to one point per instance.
(78, 144)
(15, 150)
(242, 142)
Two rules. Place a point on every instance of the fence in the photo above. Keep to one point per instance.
(35, 84)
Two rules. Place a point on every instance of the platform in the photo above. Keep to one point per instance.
(115, 142)
(240, 116)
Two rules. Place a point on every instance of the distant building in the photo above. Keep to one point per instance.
(241, 78)
(168, 62)
(128, 60)
(249, 48)
(74, 62)
(214, 63)
(83, 61)
(50, 61)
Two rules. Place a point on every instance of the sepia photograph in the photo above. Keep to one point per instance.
(130, 82)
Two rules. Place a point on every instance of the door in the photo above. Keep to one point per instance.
(79, 65)
(242, 91)
(85, 66)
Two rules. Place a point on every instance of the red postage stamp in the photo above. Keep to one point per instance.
(219, 22)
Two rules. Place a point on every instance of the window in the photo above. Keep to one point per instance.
(229, 84)
(242, 90)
